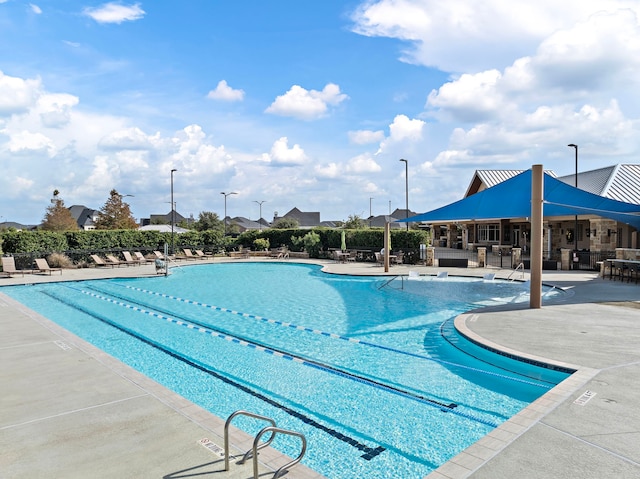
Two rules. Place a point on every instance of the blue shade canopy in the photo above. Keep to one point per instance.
(512, 199)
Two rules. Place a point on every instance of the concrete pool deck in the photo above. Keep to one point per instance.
(69, 410)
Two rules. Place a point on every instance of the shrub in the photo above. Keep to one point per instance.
(261, 244)
(59, 260)
(312, 243)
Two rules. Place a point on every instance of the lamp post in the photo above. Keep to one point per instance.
(225, 208)
(406, 190)
(370, 212)
(575, 147)
(260, 219)
(173, 212)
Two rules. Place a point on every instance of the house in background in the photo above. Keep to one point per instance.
(244, 224)
(163, 228)
(5, 225)
(304, 219)
(165, 219)
(84, 217)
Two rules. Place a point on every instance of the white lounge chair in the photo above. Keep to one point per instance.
(442, 275)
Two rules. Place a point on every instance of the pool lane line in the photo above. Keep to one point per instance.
(204, 328)
(344, 338)
(368, 452)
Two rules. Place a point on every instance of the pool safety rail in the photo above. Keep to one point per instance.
(515, 270)
(253, 452)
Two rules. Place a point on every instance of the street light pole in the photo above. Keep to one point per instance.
(173, 212)
(225, 208)
(575, 147)
(260, 219)
(406, 190)
(370, 212)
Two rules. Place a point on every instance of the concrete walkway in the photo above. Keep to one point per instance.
(69, 410)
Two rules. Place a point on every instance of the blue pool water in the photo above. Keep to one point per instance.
(372, 372)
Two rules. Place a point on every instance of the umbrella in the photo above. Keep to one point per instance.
(343, 241)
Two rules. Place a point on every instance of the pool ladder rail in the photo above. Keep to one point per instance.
(253, 452)
(515, 270)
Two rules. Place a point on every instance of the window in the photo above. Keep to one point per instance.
(489, 233)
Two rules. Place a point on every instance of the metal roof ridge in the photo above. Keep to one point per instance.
(612, 177)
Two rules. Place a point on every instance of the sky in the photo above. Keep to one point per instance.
(305, 104)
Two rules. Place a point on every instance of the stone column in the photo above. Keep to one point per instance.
(482, 256)
(565, 259)
(516, 257)
(431, 256)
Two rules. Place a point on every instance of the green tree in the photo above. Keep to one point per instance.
(115, 214)
(207, 221)
(286, 224)
(57, 217)
(355, 223)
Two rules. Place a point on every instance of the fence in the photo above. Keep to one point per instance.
(588, 260)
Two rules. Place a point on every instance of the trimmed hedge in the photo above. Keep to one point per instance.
(46, 242)
(15, 242)
(331, 238)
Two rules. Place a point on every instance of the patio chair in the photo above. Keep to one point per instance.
(188, 254)
(99, 261)
(159, 255)
(140, 257)
(130, 259)
(9, 267)
(202, 255)
(42, 266)
(114, 261)
(442, 275)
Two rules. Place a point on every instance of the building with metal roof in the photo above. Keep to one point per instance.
(618, 182)
(588, 231)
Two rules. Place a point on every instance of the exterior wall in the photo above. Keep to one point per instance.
(606, 234)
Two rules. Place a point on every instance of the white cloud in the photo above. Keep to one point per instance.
(128, 139)
(471, 97)
(17, 95)
(115, 12)
(307, 104)
(470, 36)
(26, 141)
(331, 171)
(35, 9)
(282, 155)
(364, 137)
(224, 92)
(570, 90)
(55, 109)
(402, 133)
(362, 164)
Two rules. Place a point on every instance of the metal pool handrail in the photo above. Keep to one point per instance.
(273, 430)
(226, 435)
(521, 267)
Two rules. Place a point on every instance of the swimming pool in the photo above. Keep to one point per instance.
(371, 371)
